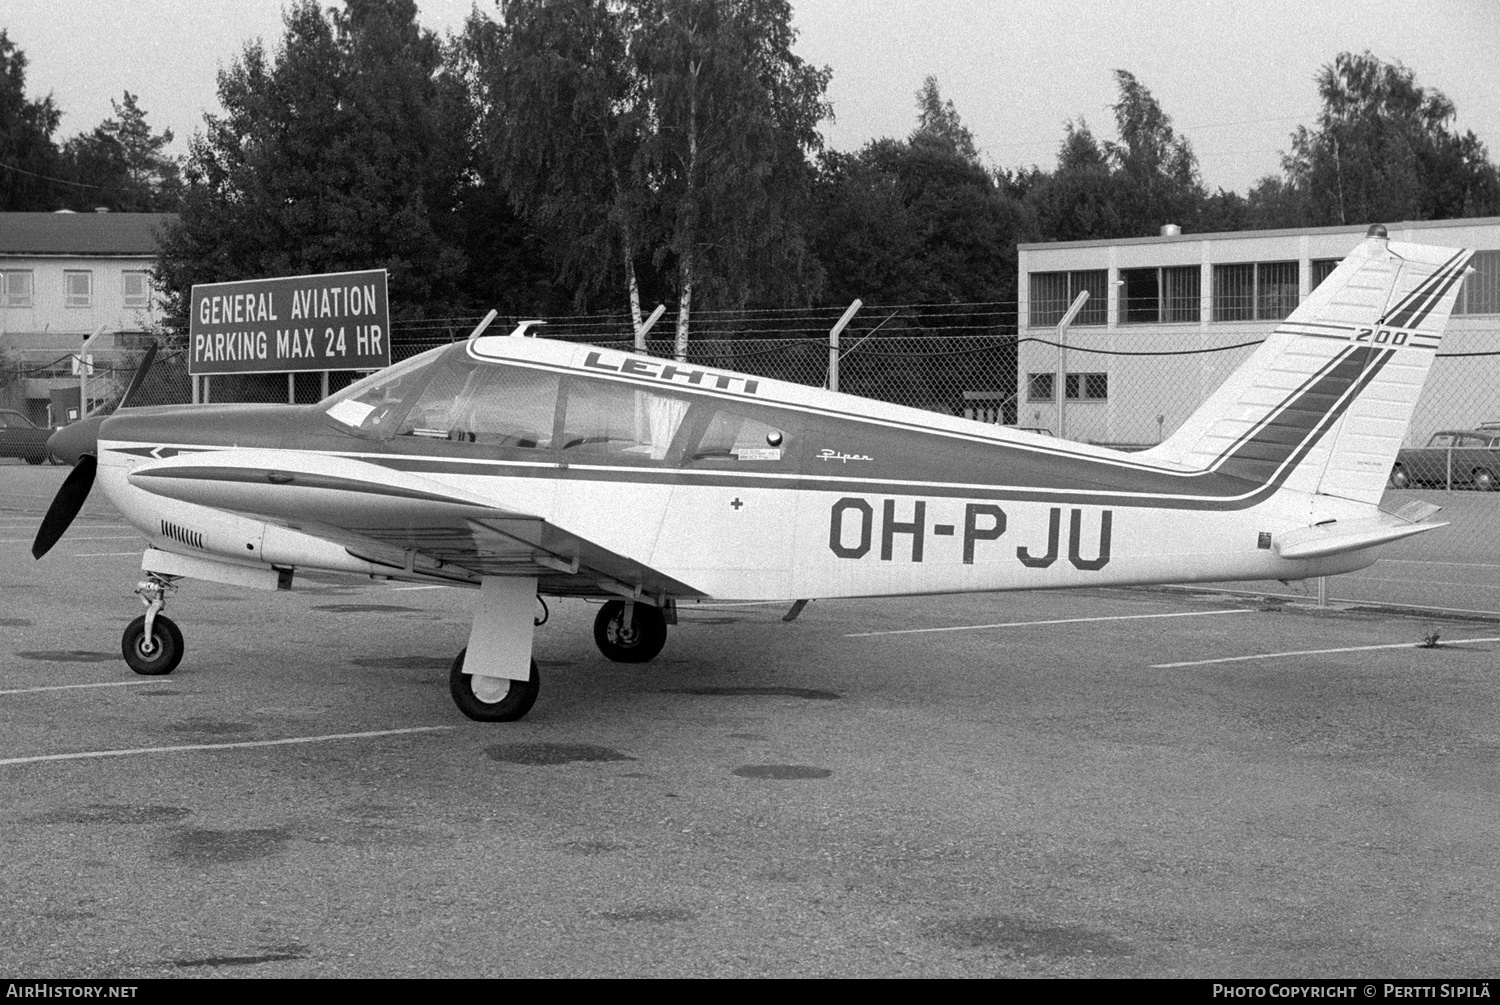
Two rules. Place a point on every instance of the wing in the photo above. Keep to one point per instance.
(404, 521)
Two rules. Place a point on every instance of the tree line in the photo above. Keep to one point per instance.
(601, 155)
(121, 164)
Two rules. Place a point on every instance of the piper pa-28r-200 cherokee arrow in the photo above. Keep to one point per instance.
(525, 467)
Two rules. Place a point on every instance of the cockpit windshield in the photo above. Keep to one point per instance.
(373, 405)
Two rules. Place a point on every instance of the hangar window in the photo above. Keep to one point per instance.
(1053, 292)
(740, 439)
(15, 288)
(1041, 387)
(607, 421)
(471, 402)
(1254, 291)
(137, 289)
(1171, 293)
(1086, 386)
(1322, 268)
(1181, 293)
(1140, 296)
(80, 288)
(1480, 293)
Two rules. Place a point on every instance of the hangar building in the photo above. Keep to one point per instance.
(1178, 294)
(62, 276)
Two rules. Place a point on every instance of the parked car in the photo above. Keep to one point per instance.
(1451, 457)
(20, 437)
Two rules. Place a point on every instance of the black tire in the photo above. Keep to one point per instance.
(166, 654)
(509, 707)
(637, 646)
(1484, 480)
(1399, 478)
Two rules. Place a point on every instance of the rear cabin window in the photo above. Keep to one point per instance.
(741, 439)
(469, 402)
(605, 422)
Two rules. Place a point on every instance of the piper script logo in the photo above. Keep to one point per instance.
(828, 454)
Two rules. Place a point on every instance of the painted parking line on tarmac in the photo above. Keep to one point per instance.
(1053, 621)
(87, 522)
(1303, 598)
(1426, 561)
(1321, 652)
(69, 687)
(237, 745)
(1424, 582)
(16, 526)
(117, 537)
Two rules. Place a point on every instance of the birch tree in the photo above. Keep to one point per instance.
(734, 115)
(561, 117)
(1383, 149)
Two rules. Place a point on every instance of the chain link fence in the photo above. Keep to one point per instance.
(1120, 387)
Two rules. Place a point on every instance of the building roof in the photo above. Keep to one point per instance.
(1357, 229)
(81, 233)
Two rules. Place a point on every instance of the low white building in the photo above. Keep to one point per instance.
(62, 277)
(1179, 294)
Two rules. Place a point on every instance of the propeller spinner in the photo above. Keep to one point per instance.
(78, 444)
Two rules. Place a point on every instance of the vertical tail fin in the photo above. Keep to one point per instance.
(1324, 403)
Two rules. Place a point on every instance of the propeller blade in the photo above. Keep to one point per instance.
(65, 505)
(138, 378)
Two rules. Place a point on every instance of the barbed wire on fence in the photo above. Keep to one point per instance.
(958, 359)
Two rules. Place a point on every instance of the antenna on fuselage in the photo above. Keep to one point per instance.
(478, 331)
(520, 330)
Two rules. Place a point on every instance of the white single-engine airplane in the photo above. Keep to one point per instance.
(524, 467)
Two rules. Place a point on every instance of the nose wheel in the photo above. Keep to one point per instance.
(152, 643)
(157, 655)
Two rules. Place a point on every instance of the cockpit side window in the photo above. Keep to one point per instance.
(373, 406)
(472, 402)
(610, 422)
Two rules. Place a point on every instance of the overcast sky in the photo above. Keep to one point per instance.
(1236, 77)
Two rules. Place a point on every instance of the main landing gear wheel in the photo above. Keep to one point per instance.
(491, 699)
(638, 643)
(161, 655)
